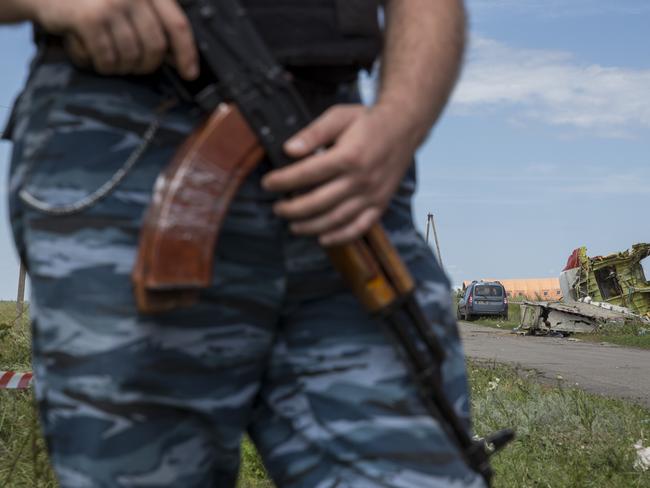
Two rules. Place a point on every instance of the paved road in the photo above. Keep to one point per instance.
(598, 368)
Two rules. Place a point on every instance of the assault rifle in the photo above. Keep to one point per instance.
(253, 110)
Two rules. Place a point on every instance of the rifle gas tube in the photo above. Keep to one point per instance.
(254, 109)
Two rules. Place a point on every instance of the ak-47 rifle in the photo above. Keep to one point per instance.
(254, 109)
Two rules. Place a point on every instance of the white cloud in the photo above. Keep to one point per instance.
(562, 8)
(537, 182)
(554, 88)
(628, 184)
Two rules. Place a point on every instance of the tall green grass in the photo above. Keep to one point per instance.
(15, 338)
(565, 437)
(23, 458)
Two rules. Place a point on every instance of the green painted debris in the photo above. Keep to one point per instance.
(618, 278)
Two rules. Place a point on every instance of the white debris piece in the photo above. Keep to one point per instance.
(493, 385)
(642, 462)
(608, 306)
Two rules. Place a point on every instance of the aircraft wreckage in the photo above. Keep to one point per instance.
(596, 291)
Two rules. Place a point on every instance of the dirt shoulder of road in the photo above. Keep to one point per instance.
(604, 369)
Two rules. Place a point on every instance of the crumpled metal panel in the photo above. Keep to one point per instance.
(618, 279)
(544, 317)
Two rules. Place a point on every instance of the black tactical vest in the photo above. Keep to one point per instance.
(342, 33)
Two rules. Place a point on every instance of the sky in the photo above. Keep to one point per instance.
(544, 147)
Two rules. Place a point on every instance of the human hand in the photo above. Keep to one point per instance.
(347, 186)
(121, 36)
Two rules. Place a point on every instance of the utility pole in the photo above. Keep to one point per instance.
(431, 222)
(20, 300)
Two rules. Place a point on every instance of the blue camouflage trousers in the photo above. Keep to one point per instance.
(277, 347)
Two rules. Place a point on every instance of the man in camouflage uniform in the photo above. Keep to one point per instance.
(276, 347)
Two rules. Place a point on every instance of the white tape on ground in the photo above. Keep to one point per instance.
(10, 380)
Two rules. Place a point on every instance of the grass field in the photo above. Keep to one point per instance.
(566, 438)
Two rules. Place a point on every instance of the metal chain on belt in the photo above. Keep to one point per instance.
(107, 188)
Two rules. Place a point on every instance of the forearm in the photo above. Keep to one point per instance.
(422, 56)
(16, 11)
